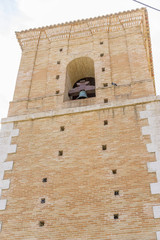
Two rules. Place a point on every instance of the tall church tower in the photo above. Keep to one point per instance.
(79, 150)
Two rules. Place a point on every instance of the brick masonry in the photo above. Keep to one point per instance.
(71, 169)
(80, 185)
(126, 45)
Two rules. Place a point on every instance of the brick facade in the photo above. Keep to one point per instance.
(89, 179)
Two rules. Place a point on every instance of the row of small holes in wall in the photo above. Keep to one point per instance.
(43, 200)
(58, 76)
(62, 128)
(58, 62)
(44, 180)
(41, 223)
(105, 100)
(104, 147)
(105, 85)
(101, 43)
(114, 171)
(116, 193)
(103, 70)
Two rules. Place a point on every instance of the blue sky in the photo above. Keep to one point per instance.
(8, 7)
(17, 15)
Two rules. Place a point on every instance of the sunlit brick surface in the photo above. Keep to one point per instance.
(63, 182)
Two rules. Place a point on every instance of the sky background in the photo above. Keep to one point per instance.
(17, 15)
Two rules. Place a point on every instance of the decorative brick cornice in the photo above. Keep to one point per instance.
(80, 28)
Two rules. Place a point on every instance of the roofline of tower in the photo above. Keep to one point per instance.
(80, 21)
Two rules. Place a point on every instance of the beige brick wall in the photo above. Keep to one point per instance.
(79, 193)
(126, 61)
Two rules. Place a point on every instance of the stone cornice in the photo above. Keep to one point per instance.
(126, 103)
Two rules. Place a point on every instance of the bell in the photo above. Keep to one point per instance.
(82, 94)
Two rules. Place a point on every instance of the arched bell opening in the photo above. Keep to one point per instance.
(80, 79)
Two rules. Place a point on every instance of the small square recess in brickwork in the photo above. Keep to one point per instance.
(116, 216)
(105, 122)
(41, 223)
(105, 84)
(102, 54)
(106, 100)
(62, 128)
(61, 49)
(114, 171)
(60, 153)
(44, 180)
(43, 200)
(116, 192)
(57, 77)
(104, 147)
(101, 42)
(58, 62)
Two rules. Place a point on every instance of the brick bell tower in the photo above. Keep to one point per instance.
(79, 150)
